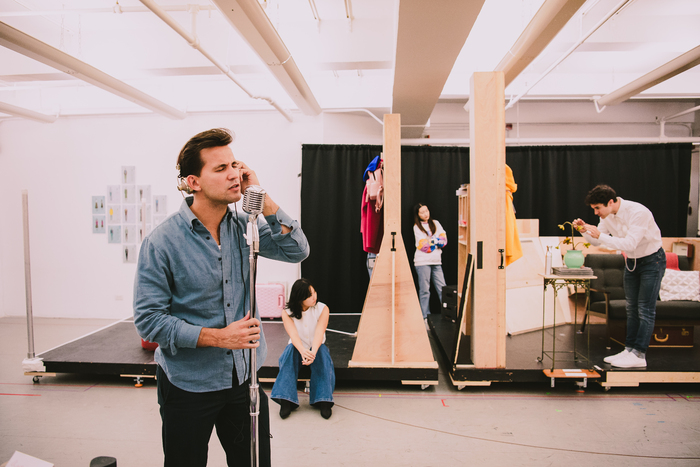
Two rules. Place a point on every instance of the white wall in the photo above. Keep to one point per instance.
(76, 273)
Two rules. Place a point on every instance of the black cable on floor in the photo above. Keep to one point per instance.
(516, 444)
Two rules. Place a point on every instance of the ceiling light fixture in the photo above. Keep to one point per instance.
(33, 48)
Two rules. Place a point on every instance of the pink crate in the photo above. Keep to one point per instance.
(270, 299)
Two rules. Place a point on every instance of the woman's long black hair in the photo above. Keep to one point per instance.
(417, 221)
(301, 290)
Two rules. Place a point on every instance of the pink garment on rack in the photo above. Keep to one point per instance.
(371, 224)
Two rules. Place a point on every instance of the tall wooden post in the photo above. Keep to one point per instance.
(391, 333)
(487, 158)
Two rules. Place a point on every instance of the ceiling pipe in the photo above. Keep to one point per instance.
(544, 26)
(194, 42)
(679, 114)
(381, 122)
(314, 11)
(676, 66)
(26, 113)
(250, 20)
(33, 48)
(118, 9)
(583, 39)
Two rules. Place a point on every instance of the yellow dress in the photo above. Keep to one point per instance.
(513, 248)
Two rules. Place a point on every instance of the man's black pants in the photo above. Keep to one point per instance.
(189, 417)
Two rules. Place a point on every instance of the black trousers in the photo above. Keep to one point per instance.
(189, 417)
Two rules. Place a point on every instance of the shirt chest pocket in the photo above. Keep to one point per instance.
(197, 276)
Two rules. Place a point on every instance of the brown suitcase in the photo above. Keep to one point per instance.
(672, 336)
(663, 335)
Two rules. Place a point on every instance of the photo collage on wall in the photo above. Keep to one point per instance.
(128, 213)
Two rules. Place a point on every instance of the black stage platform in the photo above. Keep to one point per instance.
(116, 350)
(670, 365)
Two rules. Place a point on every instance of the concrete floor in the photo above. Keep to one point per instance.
(70, 419)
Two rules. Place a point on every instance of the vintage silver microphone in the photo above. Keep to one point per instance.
(253, 204)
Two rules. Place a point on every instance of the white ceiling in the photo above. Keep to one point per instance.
(346, 63)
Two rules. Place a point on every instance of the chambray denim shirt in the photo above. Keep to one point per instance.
(184, 282)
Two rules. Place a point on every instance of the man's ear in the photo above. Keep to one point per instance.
(193, 182)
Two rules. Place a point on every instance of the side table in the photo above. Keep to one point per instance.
(557, 282)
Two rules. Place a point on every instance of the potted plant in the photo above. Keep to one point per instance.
(573, 258)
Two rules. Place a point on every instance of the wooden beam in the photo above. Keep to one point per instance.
(487, 199)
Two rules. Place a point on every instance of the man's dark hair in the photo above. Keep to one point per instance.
(601, 194)
(301, 290)
(190, 161)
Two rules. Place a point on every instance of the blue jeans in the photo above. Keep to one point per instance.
(371, 258)
(642, 286)
(322, 376)
(426, 274)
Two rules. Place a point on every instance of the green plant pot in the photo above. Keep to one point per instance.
(574, 259)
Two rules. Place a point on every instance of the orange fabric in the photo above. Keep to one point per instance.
(514, 249)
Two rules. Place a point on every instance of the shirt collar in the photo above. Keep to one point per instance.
(622, 208)
(190, 218)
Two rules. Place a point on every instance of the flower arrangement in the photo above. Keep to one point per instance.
(569, 240)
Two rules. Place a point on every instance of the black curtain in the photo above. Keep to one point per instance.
(553, 182)
(331, 195)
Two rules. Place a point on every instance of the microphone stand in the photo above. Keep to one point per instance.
(254, 242)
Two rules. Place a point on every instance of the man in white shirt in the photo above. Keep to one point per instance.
(630, 227)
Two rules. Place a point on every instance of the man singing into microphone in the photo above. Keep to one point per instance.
(192, 297)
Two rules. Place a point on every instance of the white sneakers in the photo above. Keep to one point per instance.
(630, 361)
(612, 358)
(626, 359)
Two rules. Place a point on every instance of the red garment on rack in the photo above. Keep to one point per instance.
(371, 224)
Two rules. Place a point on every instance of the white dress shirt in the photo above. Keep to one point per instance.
(632, 230)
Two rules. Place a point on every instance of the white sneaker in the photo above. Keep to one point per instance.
(612, 358)
(629, 361)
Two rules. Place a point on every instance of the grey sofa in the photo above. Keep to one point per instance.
(675, 319)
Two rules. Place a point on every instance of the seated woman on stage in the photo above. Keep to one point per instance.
(305, 322)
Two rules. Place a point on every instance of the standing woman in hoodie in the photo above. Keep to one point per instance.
(430, 240)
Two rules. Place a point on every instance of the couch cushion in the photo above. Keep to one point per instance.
(609, 272)
(680, 285)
